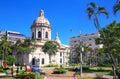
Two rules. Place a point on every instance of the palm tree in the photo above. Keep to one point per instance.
(85, 52)
(50, 48)
(23, 49)
(76, 58)
(94, 10)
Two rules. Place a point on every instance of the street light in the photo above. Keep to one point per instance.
(81, 49)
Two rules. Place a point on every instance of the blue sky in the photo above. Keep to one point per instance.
(63, 15)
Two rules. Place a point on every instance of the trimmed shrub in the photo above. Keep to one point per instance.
(59, 71)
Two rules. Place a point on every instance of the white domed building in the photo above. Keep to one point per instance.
(41, 32)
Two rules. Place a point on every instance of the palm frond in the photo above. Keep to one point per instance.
(103, 10)
(90, 12)
(116, 8)
(93, 5)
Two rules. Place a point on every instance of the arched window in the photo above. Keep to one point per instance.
(43, 61)
(33, 35)
(39, 34)
(46, 35)
(33, 61)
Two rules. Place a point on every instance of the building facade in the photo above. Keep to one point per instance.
(41, 33)
(87, 39)
(12, 36)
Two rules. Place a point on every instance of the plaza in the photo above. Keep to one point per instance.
(39, 39)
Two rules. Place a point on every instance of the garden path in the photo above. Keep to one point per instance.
(49, 75)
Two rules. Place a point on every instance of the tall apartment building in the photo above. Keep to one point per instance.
(87, 39)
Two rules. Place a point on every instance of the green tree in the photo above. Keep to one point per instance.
(23, 48)
(76, 57)
(50, 48)
(112, 44)
(87, 49)
(77, 51)
(5, 48)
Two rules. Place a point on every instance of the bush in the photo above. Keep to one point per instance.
(6, 68)
(59, 71)
(25, 75)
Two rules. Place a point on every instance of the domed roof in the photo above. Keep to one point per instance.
(41, 19)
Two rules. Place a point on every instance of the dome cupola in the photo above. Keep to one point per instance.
(41, 20)
(41, 29)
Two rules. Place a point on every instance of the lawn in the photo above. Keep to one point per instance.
(37, 77)
(87, 78)
(8, 78)
(90, 78)
(95, 69)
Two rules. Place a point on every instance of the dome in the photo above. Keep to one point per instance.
(41, 19)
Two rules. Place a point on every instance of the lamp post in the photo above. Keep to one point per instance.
(80, 56)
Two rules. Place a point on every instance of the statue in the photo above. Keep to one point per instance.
(41, 12)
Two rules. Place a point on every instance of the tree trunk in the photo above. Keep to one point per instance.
(114, 72)
(49, 59)
(114, 66)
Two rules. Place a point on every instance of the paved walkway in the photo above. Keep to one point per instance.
(50, 75)
(68, 75)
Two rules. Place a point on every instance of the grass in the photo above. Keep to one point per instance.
(90, 78)
(96, 69)
(37, 77)
(103, 67)
(87, 78)
(8, 78)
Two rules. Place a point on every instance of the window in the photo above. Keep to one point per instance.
(75, 41)
(33, 35)
(60, 53)
(90, 39)
(46, 35)
(60, 60)
(42, 60)
(90, 44)
(39, 34)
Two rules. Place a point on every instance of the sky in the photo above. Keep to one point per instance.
(63, 15)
